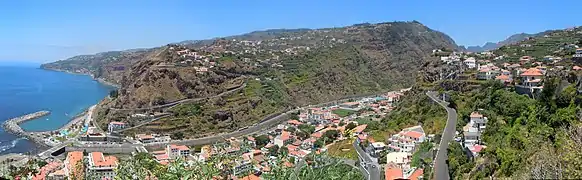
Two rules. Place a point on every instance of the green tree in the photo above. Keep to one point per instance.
(262, 140)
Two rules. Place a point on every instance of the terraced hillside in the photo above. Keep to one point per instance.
(557, 43)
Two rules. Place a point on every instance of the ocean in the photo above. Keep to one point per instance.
(27, 89)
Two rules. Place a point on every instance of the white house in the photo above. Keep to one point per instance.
(401, 159)
(470, 62)
(177, 151)
(407, 139)
(113, 126)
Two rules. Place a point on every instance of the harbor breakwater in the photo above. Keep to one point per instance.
(13, 126)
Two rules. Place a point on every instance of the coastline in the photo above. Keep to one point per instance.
(100, 80)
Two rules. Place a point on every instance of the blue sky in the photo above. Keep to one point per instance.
(43, 31)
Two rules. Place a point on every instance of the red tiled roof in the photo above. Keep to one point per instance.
(285, 135)
(291, 147)
(179, 147)
(532, 72)
(161, 157)
(117, 123)
(294, 122)
(159, 152)
(392, 172)
(250, 138)
(250, 177)
(317, 134)
(502, 77)
(477, 148)
(413, 134)
(103, 161)
(73, 158)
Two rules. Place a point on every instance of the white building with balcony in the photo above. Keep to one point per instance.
(407, 139)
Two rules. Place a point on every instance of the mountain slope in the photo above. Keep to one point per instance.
(275, 69)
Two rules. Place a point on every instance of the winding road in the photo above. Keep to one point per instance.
(441, 169)
(167, 105)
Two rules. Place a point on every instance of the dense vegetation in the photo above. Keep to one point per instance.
(143, 166)
(525, 138)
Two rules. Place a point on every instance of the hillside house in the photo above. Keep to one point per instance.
(531, 78)
(505, 79)
(470, 63)
(486, 74)
(114, 126)
(283, 139)
(472, 131)
(407, 139)
(400, 159)
(177, 151)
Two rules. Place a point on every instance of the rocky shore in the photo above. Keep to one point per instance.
(13, 126)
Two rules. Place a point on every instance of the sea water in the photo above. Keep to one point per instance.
(28, 89)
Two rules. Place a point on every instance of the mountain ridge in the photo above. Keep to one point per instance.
(278, 69)
(488, 46)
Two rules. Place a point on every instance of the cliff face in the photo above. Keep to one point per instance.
(278, 68)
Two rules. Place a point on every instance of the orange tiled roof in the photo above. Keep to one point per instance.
(392, 172)
(285, 135)
(413, 134)
(294, 122)
(72, 159)
(103, 161)
(502, 77)
(161, 157)
(180, 147)
(250, 177)
(532, 72)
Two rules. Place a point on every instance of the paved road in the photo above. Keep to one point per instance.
(371, 166)
(441, 169)
(262, 126)
(143, 123)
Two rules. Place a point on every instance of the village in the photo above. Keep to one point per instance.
(312, 131)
